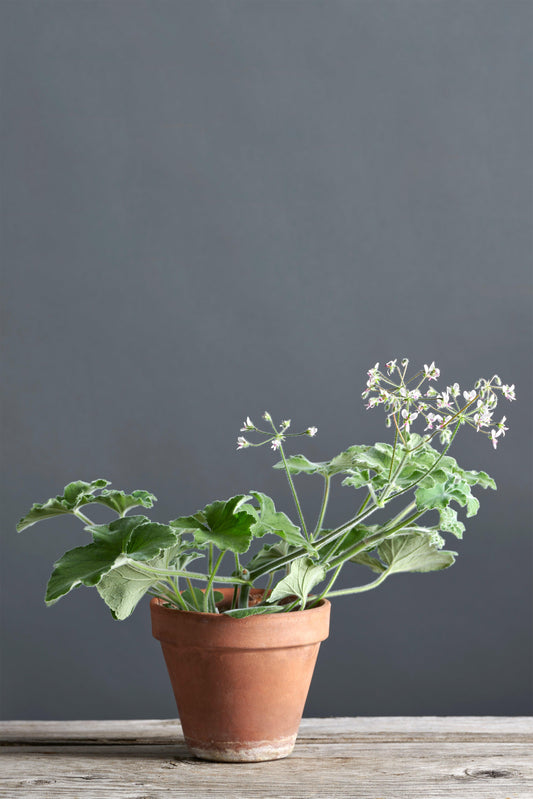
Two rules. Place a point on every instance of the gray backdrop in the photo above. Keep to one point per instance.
(215, 208)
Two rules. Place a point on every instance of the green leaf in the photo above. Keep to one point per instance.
(268, 554)
(134, 538)
(301, 579)
(440, 494)
(299, 464)
(271, 521)
(223, 524)
(337, 548)
(121, 503)
(479, 478)
(74, 496)
(449, 522)
(241, 613)
(123, 587)
(414, 552)
(364, 559)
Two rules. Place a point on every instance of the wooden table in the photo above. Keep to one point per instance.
(360, 758)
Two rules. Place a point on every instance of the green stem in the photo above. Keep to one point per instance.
(326, 590)
(359, 589)
(393, 453)
(292, 605)
(428, 471)
(325, 498)
(208, 589)
(267, 589)
(171, 596)
(374, 539)
(244, 593)
(278, 564)
(135, 564)
(294, 494)
(193, 594)
(85, 519)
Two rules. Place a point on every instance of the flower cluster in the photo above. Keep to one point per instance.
(405, 400)
(274, 437)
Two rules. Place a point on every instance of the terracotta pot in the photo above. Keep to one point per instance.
(240, 684)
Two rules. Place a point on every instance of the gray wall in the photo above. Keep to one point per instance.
(213, 208)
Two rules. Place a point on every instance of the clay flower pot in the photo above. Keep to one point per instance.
(240, 684)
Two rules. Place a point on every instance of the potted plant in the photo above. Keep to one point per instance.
(241, 657)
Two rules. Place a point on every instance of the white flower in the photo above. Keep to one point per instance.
(431, 419)
(509, 392)
(276, 443)
(454, 390)
(494, 437)
(408, 417)
(242, 443)
(248, 425)
(443, 400)
(391, 366)
(267, 416)
(431, 371)
(431, 392)
(312, 431)
(502, 429)
(286, 424)
(469, 395)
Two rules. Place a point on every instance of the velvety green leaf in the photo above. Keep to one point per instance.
(472, 505)
(338, 547)
(439, 495)
(364, 559)
(122, 589)
(449, 522)
(80, 565)
(301, 579)
(121, 503)
(413, 553)
(241, 613)
(479, 478)
(225, 524)
(271, 521)
(299, 464)
(269, 553)
(132, 537)
(74, 496)
(148, 539)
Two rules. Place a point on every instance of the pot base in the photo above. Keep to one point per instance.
(243, 751)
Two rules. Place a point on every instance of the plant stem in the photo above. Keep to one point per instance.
(278, 564)
(208, 589)
(135, 564)
(359, 589)
(325, 498)
(244, 593)
(193, 594)
(294, 494)
(376, 538)
(82, 517)
(326, 590)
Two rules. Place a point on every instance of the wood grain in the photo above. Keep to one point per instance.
(360, 758)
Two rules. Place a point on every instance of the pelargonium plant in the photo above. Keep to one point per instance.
(132, 556)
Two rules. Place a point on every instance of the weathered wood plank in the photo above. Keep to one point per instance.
(154, 731)
(461, 758)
